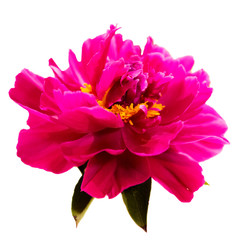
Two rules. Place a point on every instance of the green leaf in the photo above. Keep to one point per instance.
(136, 199)
(80, 202)
(206, 183)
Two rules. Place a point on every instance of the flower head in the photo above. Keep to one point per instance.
(129, 115)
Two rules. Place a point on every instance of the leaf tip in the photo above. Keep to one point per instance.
(144, 228)
(77, 220)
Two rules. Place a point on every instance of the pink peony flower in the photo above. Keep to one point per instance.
(129, 115)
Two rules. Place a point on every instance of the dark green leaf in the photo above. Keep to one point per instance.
(80, 202)
(136, 199)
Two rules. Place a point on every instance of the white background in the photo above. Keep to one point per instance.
(35, 204)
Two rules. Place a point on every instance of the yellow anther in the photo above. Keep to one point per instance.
(158, 106)
(127, 112)
(87, 88)
(152, 112)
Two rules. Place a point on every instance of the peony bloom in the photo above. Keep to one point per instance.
(129, 115)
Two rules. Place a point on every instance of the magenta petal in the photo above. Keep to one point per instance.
(66, 77)
(77, 69)
(90, 119)
(128, 49)
(43, 122)
(42, 150)
(150, 47)
(187, 62)
(177, 173)
(122, 49)
(28, 89)
(206, 123)
(177, 97)
(203, 94)
(203, 149)
(151, 142)
(94, 55)
(72, 100)
(108, 140)
(112, 72)
(110, 175)
(47, 101)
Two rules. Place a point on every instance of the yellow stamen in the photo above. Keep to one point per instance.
(158, 106)
(127, 112)
(87, 88)
(153, 113)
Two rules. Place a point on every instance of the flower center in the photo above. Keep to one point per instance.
(127, 112)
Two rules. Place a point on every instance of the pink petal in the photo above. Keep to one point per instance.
(110, 175)
(47, 101)
(202, 96)
(108, 140)
(127, 50)
(150, 47)
(118, 90)
(116, 44)
(77, 69)
(90, 119)
(206, 123)
(177, 97)
(177, 173)
(187, 62)
(28, 89)
(42, 150)
(122, 49)
(94, 55)
(66, 77)
(112, 72)
(151, 142)
(43, 122)
(203, 149)
(71, 100)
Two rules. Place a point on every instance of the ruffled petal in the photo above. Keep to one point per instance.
(112, 72)
(77, 69)
(47, 101)
(66, 77)
(28, 89)
(177, 97)
(204, 93)
(90, 119)
(128, 50)
(150, 47)
(207, 123)
(152, 141)
(187, 62)
(110, 175)
(108, 140)
(44, 122)
(122, 49)
(40, 149)
(94, 55)
(203, 149)
(72, 100)
(177, 173)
